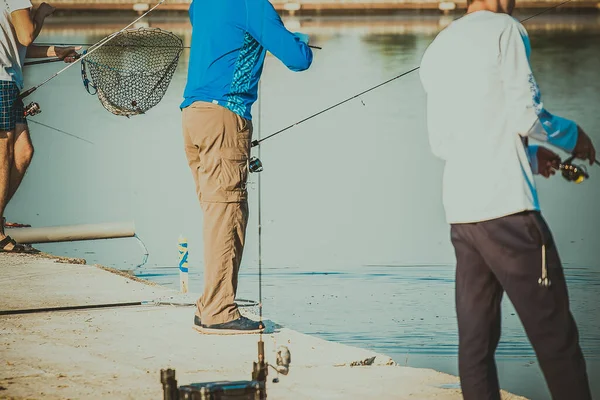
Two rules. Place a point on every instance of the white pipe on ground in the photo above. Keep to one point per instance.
(110, 230)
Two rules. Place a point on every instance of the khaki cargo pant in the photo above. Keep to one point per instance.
(217, 146)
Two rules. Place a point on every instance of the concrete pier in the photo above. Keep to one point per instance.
(117, 352)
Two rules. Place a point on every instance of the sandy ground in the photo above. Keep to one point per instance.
(118, 352)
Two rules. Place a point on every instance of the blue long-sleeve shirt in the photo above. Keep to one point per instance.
(230, 39)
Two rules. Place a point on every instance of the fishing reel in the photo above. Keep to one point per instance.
(31, 109)
(255, 165)
(283, 360)
(572, 172)
(254, 389)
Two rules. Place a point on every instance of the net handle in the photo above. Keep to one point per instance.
(86, 82)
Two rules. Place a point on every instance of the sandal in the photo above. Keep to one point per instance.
(17, 248)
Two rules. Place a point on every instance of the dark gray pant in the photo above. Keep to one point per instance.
(505, 254)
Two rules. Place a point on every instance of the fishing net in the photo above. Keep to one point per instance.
(132, 71)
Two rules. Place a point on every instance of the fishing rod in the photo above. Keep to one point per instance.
(51, 60)
(260, 310)
(259, 141)
(70, 308)
(121, 45)
(85, 307)
(108, 45)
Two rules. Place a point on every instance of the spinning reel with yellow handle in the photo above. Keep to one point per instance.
(572, 172)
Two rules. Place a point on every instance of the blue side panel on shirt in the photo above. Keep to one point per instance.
(242, 75)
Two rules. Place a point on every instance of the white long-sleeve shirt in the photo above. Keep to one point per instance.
(482, 101)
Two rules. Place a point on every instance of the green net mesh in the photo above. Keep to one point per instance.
(131, 72)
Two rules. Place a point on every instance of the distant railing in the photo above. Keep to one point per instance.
(100, 27)
(341, 3)
(298, 5)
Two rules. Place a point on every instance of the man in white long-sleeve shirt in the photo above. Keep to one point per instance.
(483, 104)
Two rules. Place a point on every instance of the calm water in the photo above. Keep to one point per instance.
(355, 247)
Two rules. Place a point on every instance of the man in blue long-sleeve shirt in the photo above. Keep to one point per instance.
(230, 39)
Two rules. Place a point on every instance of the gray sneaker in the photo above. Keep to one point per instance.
(197, 322)
(238, 326)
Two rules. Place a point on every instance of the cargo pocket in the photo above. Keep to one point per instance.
(243, 125)
(234, 169)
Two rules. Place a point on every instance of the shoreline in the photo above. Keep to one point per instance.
(115, 352)
(320, 9)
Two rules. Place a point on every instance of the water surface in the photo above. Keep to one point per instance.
(355, 245)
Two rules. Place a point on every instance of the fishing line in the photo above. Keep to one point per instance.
(59, 130)
(146, 252)
(549, 9)
(258, 142)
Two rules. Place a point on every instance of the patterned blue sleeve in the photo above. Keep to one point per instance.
(265, 25)
(525, 101)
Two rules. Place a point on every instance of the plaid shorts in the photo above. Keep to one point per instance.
(11, 107)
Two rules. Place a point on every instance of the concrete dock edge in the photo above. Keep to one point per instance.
(118, 352)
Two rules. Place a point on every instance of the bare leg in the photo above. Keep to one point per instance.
(23, 153)
(6, 162)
